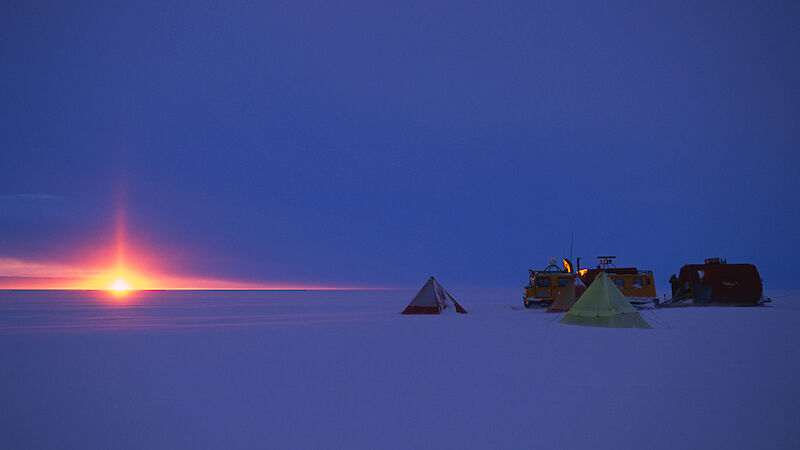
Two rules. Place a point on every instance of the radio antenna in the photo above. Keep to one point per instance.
(571, 241)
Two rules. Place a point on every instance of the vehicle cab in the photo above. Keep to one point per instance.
(545, 285)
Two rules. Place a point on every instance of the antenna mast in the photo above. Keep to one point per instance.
(571, 241)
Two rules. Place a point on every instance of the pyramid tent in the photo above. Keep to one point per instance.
(433, 299)
(568, 296)
(603, 305)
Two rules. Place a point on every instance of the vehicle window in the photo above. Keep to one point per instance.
(620, 282)
(563, 281)
(543, 282)
(638, 283)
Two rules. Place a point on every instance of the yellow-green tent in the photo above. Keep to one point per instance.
(603, 305)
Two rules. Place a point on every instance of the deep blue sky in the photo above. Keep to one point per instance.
(375, 143)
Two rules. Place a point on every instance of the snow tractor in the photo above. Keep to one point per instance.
(638, 285)
(545, 285)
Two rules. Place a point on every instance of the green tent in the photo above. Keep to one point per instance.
(603, 305)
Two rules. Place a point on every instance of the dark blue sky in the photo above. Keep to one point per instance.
(375, 143)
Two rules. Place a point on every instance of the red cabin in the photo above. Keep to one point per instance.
(718, 283)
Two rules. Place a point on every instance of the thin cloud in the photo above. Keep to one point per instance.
(20, 274)
(30, 197)
(12, 267)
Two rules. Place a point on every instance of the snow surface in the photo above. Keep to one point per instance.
(346, 370)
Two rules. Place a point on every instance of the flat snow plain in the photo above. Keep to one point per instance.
(342, 369)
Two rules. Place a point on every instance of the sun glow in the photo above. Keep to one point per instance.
(137, 275)
(119, 268)
(120, 285)
(122, 280)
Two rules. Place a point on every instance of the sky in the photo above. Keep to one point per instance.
(372, 144)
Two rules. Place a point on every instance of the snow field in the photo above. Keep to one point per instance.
(496, 378)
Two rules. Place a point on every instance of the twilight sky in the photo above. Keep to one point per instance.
(375, 143)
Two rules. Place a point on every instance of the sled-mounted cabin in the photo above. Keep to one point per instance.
(718, 283)
(637, 285)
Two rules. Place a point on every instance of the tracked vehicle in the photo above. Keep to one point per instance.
(545, 285)
(638, 285)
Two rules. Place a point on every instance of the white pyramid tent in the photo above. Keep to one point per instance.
(433, 299)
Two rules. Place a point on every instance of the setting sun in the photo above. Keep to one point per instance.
(120, 285)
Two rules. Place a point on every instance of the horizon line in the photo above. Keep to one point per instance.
(211, 289)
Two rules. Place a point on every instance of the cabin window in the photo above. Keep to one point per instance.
(543, 282)
(620, 282)
(638, 283)
(563, 282)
